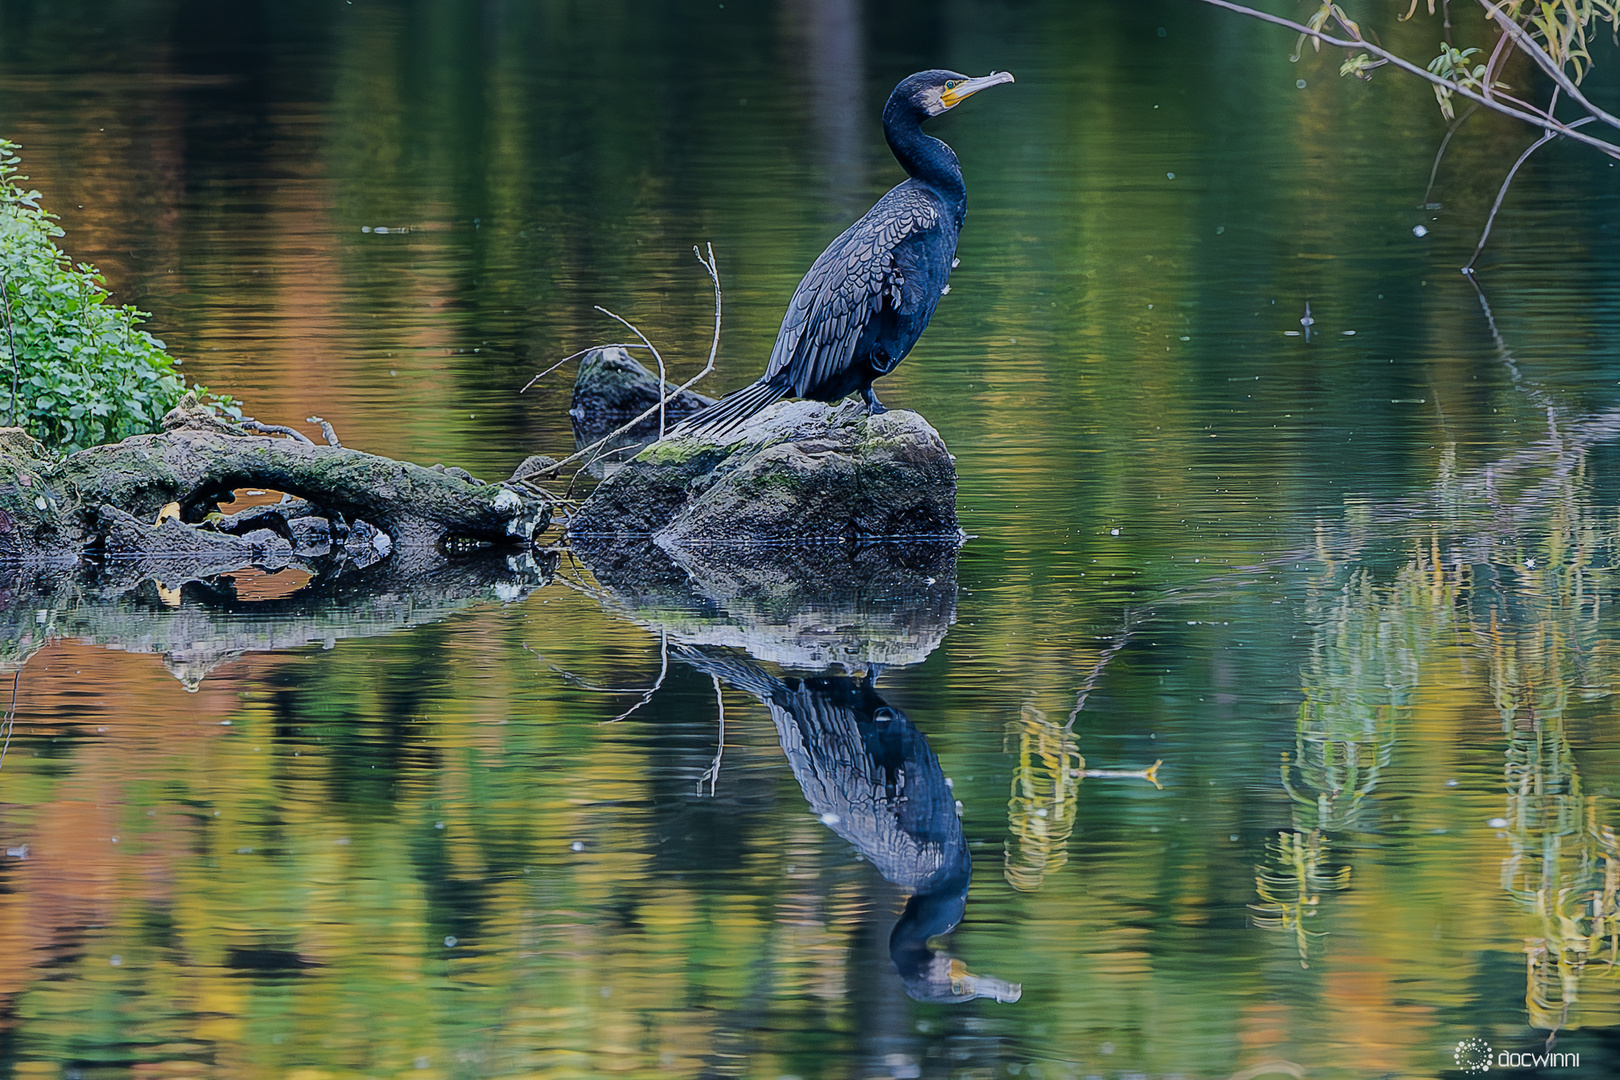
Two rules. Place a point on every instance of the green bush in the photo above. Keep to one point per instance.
(83, 370)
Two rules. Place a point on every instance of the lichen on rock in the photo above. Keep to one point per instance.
(800, 471)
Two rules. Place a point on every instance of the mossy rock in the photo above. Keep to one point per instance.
(800, 471)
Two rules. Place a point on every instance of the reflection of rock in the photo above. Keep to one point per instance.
(799, 471)
(808, 606)
(872, 778)
(209, 625)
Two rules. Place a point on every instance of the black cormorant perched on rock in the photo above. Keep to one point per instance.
(868, 297)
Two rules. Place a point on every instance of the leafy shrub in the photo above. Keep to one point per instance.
(83, 370)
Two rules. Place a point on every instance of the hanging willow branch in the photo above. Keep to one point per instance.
(1552, 36)
(1461, 87)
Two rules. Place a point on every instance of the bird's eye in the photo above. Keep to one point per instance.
(951, 84)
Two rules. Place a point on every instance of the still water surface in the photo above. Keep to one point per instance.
(1355, 594)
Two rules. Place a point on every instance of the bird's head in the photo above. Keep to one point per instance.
(930, 93)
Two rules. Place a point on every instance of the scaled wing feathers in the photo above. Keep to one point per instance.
(853, 280)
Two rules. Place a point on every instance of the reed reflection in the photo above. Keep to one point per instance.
(872, 778)
(1511, 581)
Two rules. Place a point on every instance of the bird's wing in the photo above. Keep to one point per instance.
(856, 277)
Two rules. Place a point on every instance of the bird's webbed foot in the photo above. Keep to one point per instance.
(873, 405)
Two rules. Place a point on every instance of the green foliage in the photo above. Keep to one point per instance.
(1452, 64)
(1556, 33)
(85, 373)
(1563, 28)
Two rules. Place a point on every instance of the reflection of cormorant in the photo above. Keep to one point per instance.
(873, 780)
(867, 298)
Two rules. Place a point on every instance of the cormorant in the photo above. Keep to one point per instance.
(871, 777)
(866, 300)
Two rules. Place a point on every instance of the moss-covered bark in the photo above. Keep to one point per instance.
(51, 510)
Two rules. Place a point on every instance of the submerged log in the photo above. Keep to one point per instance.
(800, 471)
(99, 499)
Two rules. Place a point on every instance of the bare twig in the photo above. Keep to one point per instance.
(250, 424)
(576, 356)
(326, 429)
(1497, 54)
(658, 356)
(11, 341)
(1468, 268)
(1532, 118)
(669, 395)
(1440, 153)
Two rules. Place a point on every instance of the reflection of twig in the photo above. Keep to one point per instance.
(1150, 774)
(11, 715)
(1095, 674)
(663, 670)
(712, 773)
(646, 692)
(579, 584)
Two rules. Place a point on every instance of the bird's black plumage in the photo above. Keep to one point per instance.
(868, 297)
(871, 777)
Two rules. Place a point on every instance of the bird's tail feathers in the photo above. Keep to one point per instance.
(733, 409)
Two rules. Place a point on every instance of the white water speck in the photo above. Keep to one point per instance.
(1498, 822)
(1419, 230)
(830, 819)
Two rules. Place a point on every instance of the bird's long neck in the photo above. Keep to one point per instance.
(923, 156)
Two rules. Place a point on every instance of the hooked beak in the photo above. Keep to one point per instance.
(963, 90)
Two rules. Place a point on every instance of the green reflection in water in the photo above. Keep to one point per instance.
(1140, 447)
